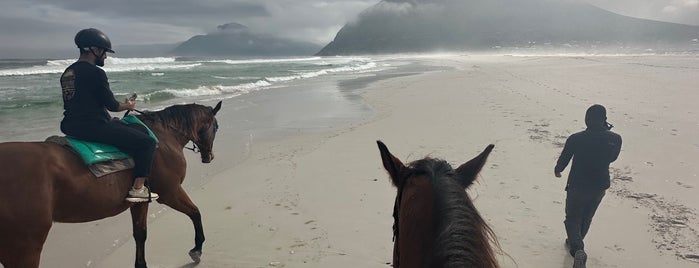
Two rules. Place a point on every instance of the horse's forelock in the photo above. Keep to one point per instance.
(431, 167)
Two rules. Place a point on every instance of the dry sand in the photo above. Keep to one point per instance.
(322, 198)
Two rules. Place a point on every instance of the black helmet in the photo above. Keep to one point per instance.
(93, 38)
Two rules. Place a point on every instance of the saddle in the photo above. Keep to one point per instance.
(101, 159)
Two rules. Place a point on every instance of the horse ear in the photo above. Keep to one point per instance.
(467, 172)
(218, 107)
(391, 164)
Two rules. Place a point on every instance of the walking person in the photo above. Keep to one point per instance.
(87, 99)
(592, 150)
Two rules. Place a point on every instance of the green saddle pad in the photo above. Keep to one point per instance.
(95, 152)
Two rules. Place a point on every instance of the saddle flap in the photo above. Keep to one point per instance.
(94, 152)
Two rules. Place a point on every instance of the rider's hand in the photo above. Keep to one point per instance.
(130, 104)
(558, 174)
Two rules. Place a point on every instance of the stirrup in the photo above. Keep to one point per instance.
(141, 195)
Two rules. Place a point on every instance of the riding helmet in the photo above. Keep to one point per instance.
(92, 37)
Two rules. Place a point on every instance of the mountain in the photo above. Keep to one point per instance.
(395, 26)
(235, 39)
(151, 50)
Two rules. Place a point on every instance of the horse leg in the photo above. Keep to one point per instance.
(139, 215)
(23, 257)
(181, 202)
(22, 250)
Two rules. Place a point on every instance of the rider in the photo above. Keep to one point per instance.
(86, 99)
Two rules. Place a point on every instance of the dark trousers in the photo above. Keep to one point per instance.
(580, 208)
(133, 139)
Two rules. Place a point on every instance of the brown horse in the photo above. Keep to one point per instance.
(435, 222)
(43, 182)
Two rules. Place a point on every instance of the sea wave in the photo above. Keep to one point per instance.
(148, 67)
(267, 82)
(113, 65)
(301, 75)
(210, 90)
(249, 61)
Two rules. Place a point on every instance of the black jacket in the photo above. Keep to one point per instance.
(592, 151)
(86, 96)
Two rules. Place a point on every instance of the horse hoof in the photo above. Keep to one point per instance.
(195, 255)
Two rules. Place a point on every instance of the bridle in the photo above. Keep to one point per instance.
(396, 205)
(194, 148)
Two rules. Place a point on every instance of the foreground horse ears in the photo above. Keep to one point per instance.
(467, 172)
(391, 164)
(218, 107)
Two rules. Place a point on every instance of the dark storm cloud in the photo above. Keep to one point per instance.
(161, 9)
(46, 24)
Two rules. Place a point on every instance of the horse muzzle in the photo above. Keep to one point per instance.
(207, 157)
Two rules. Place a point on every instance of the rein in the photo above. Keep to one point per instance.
(396, 211)
(396, 205)
(194, 148)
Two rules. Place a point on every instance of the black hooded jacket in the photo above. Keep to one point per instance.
(592, 151)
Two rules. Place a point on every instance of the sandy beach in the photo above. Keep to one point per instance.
(319, 196)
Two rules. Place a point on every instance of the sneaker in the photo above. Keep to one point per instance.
(141, 195)
(580, 259)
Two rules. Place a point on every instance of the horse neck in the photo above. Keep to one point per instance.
(168, 127)
(463, 238)
(416, 227)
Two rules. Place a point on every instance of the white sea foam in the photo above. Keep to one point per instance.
(264, 60)
(218, 90)
(301, 75)
(157, 60)
(113, 65)
(234, 77)
(149, 67)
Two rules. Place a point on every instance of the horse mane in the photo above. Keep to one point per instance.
(463, 237)
(183, 117)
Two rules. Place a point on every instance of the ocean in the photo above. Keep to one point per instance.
(30, 94)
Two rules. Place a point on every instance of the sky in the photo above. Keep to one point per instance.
(35, 28)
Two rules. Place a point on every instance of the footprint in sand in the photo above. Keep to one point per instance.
(684, 185)
(615, 247)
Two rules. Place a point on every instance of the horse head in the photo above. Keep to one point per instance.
(206, 133)
(189, 122)
(435, 222)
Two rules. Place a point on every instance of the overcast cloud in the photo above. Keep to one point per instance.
(36, 27)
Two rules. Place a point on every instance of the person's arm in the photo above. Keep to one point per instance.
(106, 97)
(564, 158)
(616, 149)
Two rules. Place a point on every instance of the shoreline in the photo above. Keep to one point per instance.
(245, 121)
(321, 197)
